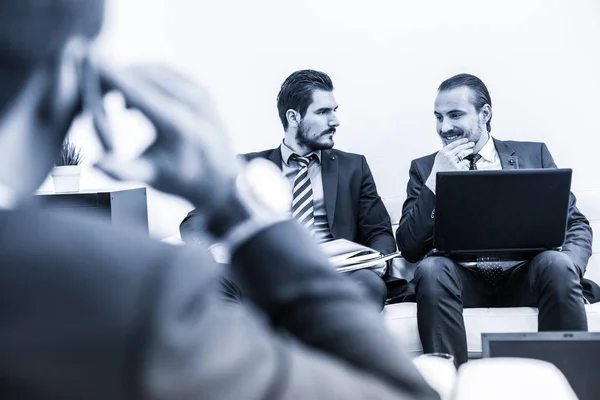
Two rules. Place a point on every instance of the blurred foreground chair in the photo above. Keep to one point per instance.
(496, 379)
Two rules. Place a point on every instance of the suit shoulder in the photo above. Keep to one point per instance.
(125, 253)
(520, 144)
(425, 160)
(257, 154)
(345, 156)
(523, 149)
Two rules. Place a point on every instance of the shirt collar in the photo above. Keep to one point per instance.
(488, 151)
(8, 197)
(286, 153)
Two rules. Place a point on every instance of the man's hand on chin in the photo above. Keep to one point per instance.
(450, 158)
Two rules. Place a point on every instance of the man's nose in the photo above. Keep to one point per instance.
(334, 121)
(446, 127)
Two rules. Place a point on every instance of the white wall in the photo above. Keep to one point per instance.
(540, 60)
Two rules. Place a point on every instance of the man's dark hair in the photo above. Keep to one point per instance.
(296, 92)
(481, 95)
(34, 31)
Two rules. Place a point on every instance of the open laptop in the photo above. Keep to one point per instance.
(508, 214)
(575, 354)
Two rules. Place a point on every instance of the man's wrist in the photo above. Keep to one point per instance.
(430, 182)
(226, 215)
(259, 198)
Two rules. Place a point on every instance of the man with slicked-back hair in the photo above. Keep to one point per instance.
(335, 196)
(443, 286)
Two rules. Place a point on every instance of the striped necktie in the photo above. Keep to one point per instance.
(302, 199)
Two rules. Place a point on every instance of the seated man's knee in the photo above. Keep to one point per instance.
(554, 265)
(431, 268)
(431, 273)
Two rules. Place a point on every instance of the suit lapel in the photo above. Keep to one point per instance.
(329, 172)
(508, 159)
(275, 157)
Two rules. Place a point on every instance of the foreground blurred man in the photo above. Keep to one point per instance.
(334, 193)
(87, 312)
(443, 287)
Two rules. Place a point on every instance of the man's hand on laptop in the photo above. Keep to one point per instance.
(450, 158)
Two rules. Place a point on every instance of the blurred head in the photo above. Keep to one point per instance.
(42, 43)
(463, 109)
(307, 109)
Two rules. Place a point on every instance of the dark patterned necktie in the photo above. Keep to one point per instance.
(490, 269)
(302, 199)
(473, 158)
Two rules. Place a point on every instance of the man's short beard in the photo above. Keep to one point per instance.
(312, 144)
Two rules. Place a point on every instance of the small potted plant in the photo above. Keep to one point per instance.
(66, 173)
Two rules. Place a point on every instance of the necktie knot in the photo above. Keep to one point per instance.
(473, 158)
(303, 161)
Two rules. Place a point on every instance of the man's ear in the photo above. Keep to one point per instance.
(485, 114)
(293, 118)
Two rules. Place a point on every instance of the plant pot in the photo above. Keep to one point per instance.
(66, 178)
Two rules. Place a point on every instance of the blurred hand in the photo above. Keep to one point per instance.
(190, 156)
(450, 158)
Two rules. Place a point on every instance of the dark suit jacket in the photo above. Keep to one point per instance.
(354, 209)
(415, 231)
(87, 312)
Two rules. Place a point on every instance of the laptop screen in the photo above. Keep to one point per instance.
(575, 354)
(501, 212)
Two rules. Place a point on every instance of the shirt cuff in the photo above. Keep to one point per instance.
(265, 195)
(430, 183)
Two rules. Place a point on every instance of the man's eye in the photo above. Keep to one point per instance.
(439, 118)
(455, 116)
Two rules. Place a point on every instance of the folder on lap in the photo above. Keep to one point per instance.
(346, 255)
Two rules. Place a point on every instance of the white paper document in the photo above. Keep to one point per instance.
(346, 256)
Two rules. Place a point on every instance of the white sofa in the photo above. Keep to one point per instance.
(402, 317)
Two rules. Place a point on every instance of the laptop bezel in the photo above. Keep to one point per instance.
(486, 338)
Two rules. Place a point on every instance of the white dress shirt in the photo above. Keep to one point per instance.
(490, 160)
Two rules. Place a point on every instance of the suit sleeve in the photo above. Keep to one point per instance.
(203, 347)
(578, 240)
(192, 227)
(415, 230)
(374, 224)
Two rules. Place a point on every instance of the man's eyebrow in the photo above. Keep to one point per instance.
(449, 112)
(326, 109)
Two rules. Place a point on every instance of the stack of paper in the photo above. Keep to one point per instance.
(345, 255)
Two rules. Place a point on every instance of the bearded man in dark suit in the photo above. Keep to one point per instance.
(550, 281)
(336, 196)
